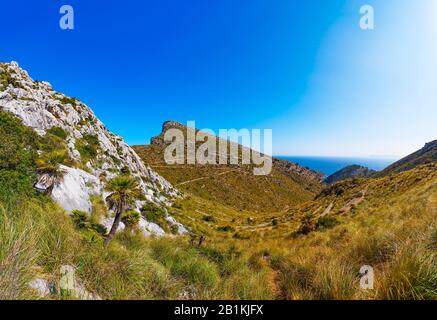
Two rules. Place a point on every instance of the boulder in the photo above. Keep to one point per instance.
(73, 192)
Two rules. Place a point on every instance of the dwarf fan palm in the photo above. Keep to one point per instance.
(49, 170)
(124, 191)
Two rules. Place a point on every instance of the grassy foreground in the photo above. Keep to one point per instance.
(291, 254)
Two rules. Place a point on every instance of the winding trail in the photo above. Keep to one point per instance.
(203, 178)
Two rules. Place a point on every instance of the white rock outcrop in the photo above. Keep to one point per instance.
(45, 288)
(42, 108)
(75, 189)
(42, 287)
(108, 221)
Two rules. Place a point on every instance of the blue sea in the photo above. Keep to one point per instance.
(329, 165)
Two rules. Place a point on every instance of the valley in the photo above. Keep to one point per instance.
(189, 231)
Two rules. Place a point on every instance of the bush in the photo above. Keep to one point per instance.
(326, 222)
(226, 229)
(83, 221)
(152, 213)
(174, 229)
(307, 225)
(125, 171)
(58, 132)
(209, 218)
(49, 162)
(130, 218)
(68, 100)
(18, 145)
(80, 218)
(6, 79)
(88, 147)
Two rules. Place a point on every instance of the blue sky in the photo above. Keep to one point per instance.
(304, 69)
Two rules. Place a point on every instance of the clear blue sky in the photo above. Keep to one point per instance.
(302, 68)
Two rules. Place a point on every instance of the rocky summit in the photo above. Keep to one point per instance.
(352, 171)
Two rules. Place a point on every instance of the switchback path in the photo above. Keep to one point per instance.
(203, 178)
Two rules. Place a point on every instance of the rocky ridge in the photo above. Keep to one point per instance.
(42, 108)
(352, 171)
(428, 154)
(303, 175)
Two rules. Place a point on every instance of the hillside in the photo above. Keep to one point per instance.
(428, 154)
(232, 235)
(235, 185)
(353, 171)
(315, 250)
(72, 137)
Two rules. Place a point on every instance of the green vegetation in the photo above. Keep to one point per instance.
(428, 154)
(209, 218)
(229, 185)
(131, 218)
(88, 147)
(83, 221)
(58, 132)
(37, 238)
(7, 79)
(68, 100)
(155, 214)
(18, 146)
(232, 251)
(124, 190)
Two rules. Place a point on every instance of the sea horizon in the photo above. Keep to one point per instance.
(329, 165)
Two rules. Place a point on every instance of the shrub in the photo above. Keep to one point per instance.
(80, 218)
(326, 222)
(18, 145)
(209, 218)
(6, 79)
(130, 218)
(50, 161)
(68, 100)
(226, 229)
(152, 213)
(174, 229)
(307, 225)
(125, 170)
(88, 147)
(82, 221)
(58, 132)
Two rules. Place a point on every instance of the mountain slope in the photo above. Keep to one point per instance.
(310, 249)
(428, 154)
(353, 171)
(235, 185)
(92, 155)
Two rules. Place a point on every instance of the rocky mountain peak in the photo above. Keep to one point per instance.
(352, 171)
